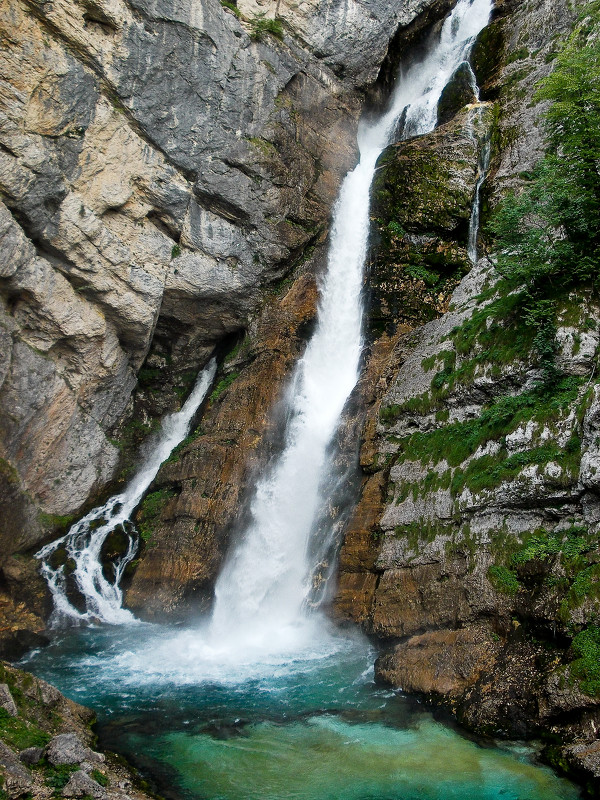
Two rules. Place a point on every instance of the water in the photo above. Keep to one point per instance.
(304, 726)
(482, 167)
(83, 543)
(261, 593)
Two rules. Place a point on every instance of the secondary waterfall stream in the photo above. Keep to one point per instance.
(83, 542)
(265, 701)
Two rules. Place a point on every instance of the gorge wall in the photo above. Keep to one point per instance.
(162, 166)
(167, 172)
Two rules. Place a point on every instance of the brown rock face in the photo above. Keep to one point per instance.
(439, 663)
(215, 470)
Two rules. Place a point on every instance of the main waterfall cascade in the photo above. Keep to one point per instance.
(83, 542)
(262, 589)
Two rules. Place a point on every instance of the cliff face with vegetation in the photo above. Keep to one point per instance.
(167, 173)
(473, 552)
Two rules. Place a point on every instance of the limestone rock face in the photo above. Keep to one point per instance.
(159, 167)
(351, 38)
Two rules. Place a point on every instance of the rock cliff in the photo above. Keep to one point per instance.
(473, 549)
(167, 172)
(162, 167)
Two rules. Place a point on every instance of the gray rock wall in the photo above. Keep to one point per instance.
(160, 165)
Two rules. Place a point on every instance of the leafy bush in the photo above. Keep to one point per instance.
(585, 669)
(261, 25)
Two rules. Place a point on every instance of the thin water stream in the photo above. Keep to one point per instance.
(265, 700)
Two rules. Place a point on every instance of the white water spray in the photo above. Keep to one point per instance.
(83, 543)
(262, 589)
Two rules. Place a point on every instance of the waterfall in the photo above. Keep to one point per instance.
(482, 167)
(83, 542)
(261, 591)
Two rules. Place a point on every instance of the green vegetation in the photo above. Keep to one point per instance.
(456, 442)
(56, 522)
(222, 386)
(504, 580)
(57, 777)
(99, 777)
(19, 733)
(585, 668)
(547, 237)
(175, 251)
(261, 25)
(149, 512)
(423, 531)
(231, 7)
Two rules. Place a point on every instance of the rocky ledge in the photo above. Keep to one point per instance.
(46, 746)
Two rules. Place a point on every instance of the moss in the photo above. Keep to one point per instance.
(458, 441)
(518, 55)
(222, 386)
(266, 148)
(585, 668)
(56, 522)
(9, 473)
(504, 580)
(489, 471)
(423, 531)
(149, 511)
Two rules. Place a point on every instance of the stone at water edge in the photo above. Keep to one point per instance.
(66, 748)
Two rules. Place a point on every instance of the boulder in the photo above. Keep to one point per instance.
(17, 779)
(6, 700)
(31, 755)
(81, 785)
(67, 748)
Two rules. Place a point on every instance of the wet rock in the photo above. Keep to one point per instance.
(6, 700)
(67, 748)
(82, 785)
(17, 778)
(191, 532)
(442, 663)
(422, 198)
(458, 92)
(584, 757)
